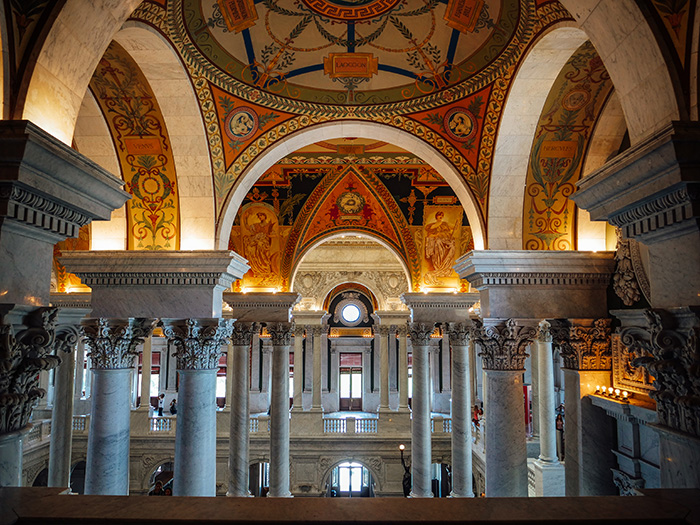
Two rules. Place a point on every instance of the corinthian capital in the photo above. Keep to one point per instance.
(503, 343)
(112, 343)
(198, 341)
(26, 340)
(420, 333)
(459, 333)
(584, 344)
(544, 334)
(280, 333)
(243, 333)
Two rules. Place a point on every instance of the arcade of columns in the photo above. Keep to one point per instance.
(528, 300)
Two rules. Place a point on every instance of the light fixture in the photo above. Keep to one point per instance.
(402, 447)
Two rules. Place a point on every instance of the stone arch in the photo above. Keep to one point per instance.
(172, 87)
(626, 44)
(69, 55)
(146, 481)
(376, 478)
(523, 107)
(340, 129)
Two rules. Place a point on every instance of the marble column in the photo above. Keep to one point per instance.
(112, 344)
(239, 439)
(403, 368)
(383, 331)
(25, 350)
(79, 371)
(146, 363)
(62, 416)
(549, 473)
(461, 412)
(281, 334)
(421, 453)
(229, 375)
(297, 403)
(198, 343)
(316, 402)
(504, 345)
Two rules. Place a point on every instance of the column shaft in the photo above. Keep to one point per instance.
(11, 457)
(547, 414)
(461, 420)
(420, 430)
(403, 369)
(230, 371)
(146, 360)
(383, 368)
(279, 411)
(297, 403)
(239, 439)
(316, 403)
(107, 465)
(62, 424)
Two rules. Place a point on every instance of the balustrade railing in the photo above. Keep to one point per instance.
(441, 425)
(366, 426)
(80, 423)
(160, 424)
(334, 426)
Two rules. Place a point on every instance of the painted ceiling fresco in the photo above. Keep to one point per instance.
(351, 186)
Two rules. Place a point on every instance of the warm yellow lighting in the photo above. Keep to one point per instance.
(196, 243)
(617, 392)
(591, 245)
(106, 243)
(402, 447)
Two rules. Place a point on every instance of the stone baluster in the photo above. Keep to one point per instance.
(549, 473)
(26, 342)
(112, 345)
(297, 403)
(504, 345)
(198, 343)
(403, 367)
(420, 430)
(384, 332)
(281, 334)
(461, 410)
(239, 439)
(316, 402)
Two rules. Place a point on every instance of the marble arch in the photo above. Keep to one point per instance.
(340, 129)
(378, 481)
(522, 109)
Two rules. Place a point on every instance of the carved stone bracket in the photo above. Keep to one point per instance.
(459, 333)
(503, 344)
(629, 279)
(281, 333)
(112, 343)
(584, 345)
(628, 485)
(420, 333)
(668, 349)
(67, 337)
(26, 341)
(243, 333)
(198, 341)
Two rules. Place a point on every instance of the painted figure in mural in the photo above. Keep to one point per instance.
(259, 247)
(440, 248)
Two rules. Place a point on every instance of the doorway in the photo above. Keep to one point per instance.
(350, 381)
(350, 480)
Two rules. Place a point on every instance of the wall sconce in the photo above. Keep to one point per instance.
(613, 393)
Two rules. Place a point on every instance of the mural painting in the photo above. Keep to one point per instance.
(260, 242)
(441, 235)
(563, 133)
(143, 148)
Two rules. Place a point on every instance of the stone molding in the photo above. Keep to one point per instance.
(198, 341)
(459, 333)
(584, 344)
(539, 279)
(628, 485)
(420, 333)
(667, 347)
(242, 334)
(503, 342)
(625, 283)
(111, 343)
(280, 333)
(440, 307)
(27, 337)
(70, 300)
(262, 307)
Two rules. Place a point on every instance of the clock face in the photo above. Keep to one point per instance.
(350, 202)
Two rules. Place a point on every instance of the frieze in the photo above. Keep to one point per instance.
(198, 341)
(25, 349)
(111, 343)
(667, 347)
(155, 279)
(540, 278)
(504, 345)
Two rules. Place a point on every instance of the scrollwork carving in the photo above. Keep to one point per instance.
(281, 333)
(459, 333)
(504, 345)
(625, 282)
(420, 333)
(627, 485)
(544, 334)
(111, 343)
(242, 334)
(198, 341)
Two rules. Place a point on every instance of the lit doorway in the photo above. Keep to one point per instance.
(350, 480)
(350, 381)
(259, 479)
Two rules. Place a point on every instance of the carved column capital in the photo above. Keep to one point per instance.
(544, 334)
(67, 337)
(668, 349)
(281, 333)
(583, 345)
(459, 333)
(198, 341)
(299, 330)
(382, 330)
(242, 334)
(420, 333)
(401, 329)
(503, 343)
(26, 340)
(112, 343)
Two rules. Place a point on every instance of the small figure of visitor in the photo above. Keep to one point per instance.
(161, 404)
(173, 407)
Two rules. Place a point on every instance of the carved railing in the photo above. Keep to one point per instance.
(160, 424)
(80, 423)
(334, 426)
(441, 425)
(366, 426)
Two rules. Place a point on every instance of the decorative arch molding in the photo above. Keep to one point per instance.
(65, 63)
(150, 465)
(627, 45)
(340, 129)
(172, 87)
(374, 464)
(350, 286)
(523, 107)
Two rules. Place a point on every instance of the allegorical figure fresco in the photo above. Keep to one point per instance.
(258, 245)
(440, 248)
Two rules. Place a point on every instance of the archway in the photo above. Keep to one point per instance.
(350, 478)
(341, 129)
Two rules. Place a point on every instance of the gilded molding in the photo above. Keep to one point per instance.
(504, 345)
(198, 341)
(111, 343)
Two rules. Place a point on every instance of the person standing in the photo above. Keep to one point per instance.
(161, 404)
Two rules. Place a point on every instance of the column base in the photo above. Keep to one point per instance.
(549, 478)
(422, 496)
(246, 495)
(454, 495)
(288, 495)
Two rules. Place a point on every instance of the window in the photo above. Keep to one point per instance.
(350, 313)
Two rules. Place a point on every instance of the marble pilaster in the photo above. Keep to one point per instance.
(316, 403)
(146, 363)
(26, 342)
(112, 345)
(504, 343)
(461, 412)
(239, 437)
(403, 367)
(384, 332)
(298, 403)
(198, 343)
